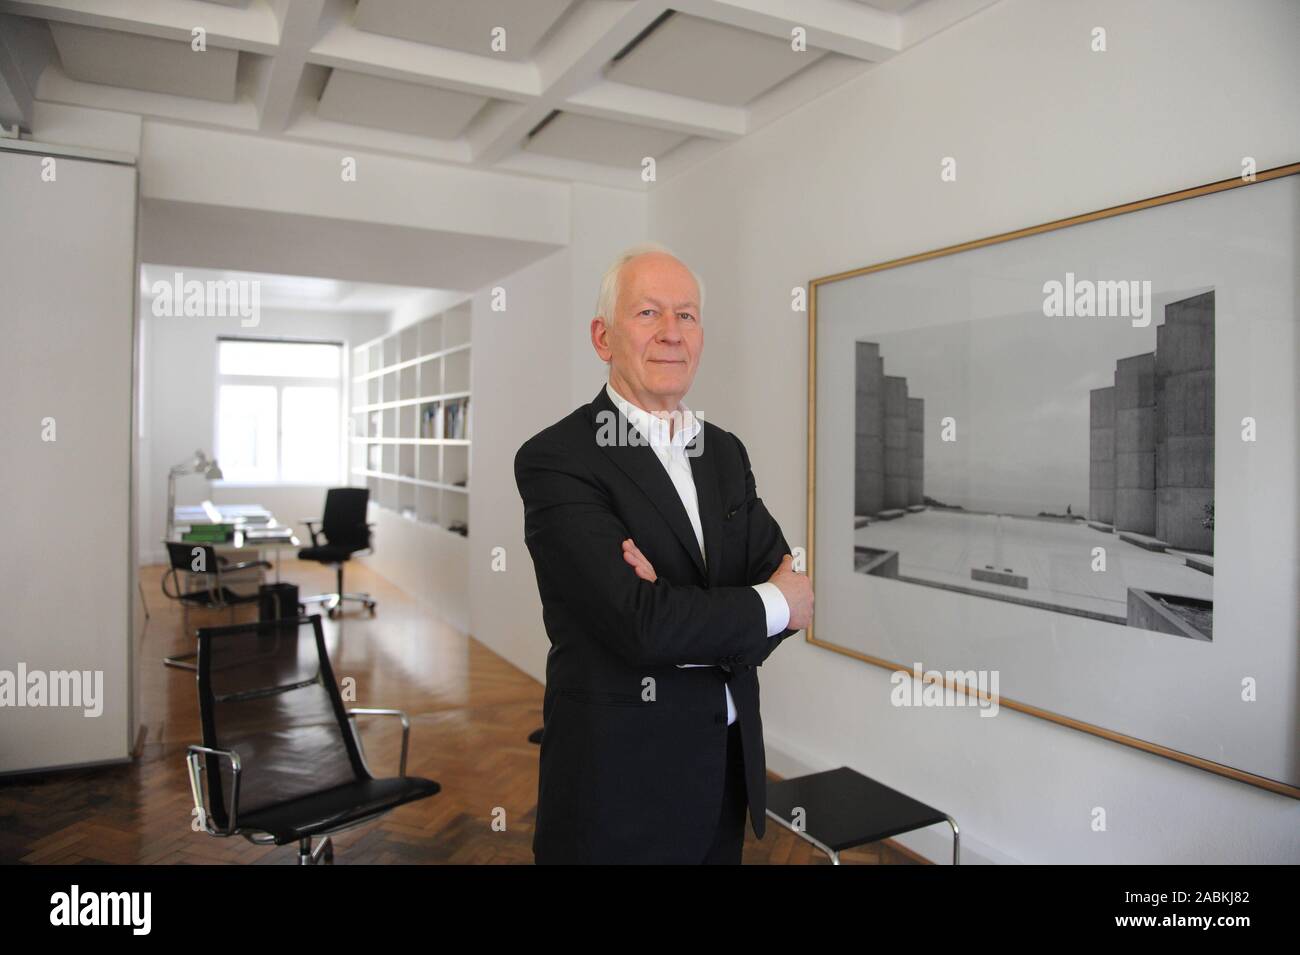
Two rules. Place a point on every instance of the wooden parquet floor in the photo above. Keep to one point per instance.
(471, 713)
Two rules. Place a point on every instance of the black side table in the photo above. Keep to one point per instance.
(842, 809)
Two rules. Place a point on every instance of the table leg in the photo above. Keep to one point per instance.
(956, 841)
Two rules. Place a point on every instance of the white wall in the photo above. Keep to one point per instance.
(521, 369)
(425, 561)
(180, 361)
(67, 573)
(1041, 129)
(531, 365)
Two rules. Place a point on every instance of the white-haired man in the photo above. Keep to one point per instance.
(664, 583)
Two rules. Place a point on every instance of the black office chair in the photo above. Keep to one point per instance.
(201, 563)
(346, 532)
(283, 758)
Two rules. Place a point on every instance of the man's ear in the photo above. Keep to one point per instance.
(600, 338)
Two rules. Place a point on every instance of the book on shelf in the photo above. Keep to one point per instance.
(429, 420)
(455, 415)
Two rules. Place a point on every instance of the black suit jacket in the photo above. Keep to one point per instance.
(633, 748)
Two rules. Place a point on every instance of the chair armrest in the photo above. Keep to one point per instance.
(311, 528)
(406, 728)
(196, 786)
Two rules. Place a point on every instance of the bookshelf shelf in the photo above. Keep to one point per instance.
(411, 421)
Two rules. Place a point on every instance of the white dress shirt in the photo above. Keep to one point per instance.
(671, 452)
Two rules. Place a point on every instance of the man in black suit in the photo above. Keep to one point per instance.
(665, 583)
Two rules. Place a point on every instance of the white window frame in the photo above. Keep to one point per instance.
(280, 382)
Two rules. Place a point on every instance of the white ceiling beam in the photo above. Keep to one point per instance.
(568, 63)
(278, 83)
(589, 38)
(188, 164)
(347, 136)
(250, 30)
(104, 129)
(634, 104)
(571, 170)
(841, 26)
(344, 47)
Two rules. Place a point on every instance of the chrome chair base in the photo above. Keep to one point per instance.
(322, 854)
(178, 659)
(333, 603)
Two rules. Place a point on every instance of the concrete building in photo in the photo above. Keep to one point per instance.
(1151, 456)
(889, 433)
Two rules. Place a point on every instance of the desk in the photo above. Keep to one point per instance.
(252, 523)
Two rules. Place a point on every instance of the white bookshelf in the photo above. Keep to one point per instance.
(411, 425)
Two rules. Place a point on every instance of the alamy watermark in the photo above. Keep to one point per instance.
(945, 688)
(231, 298)
(71, 688)
(1084, 298)
(614, 430)
(75, 907)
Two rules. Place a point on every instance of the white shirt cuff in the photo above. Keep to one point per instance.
(778, 611)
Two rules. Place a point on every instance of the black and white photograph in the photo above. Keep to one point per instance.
(1039, 450)
(1067, 432)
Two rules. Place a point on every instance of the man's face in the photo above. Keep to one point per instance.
(654, 343)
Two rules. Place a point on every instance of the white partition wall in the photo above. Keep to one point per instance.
(67, 578)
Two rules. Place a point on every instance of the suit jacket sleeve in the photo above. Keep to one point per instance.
(767, 545)
(576, 539)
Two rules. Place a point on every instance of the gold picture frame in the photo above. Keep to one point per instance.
(814, 285)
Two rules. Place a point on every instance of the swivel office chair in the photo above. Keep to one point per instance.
(283, 758)
(346, 532)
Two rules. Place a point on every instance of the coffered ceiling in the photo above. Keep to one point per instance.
(581, 90)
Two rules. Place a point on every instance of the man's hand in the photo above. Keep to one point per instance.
(644, 569)
(797, 590)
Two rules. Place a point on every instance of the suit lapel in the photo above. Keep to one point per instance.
(643, 467)
(705, 475)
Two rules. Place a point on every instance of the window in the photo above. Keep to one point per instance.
(279, 413)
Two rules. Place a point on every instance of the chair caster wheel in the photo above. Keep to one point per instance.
(333, 613)
(372, 610)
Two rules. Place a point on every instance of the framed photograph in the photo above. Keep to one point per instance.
(1056, 470)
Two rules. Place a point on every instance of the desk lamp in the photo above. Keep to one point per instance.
(198, 464)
